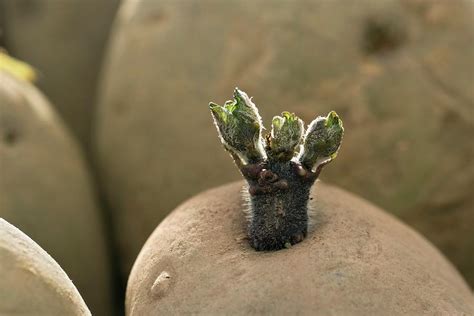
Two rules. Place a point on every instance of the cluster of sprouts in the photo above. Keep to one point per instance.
(280, 167)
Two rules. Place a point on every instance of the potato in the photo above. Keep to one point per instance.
(356, 260)
(32, 283)
(398, 73)
(64, 41)
(46, 191)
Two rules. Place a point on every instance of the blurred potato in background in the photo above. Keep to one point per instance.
(64, 40)
(398, 72)
(46, 187)
(46, 191)
(32, 283)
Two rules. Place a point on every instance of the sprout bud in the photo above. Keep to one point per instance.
(322, 141)
(240, 127)
(286, 136)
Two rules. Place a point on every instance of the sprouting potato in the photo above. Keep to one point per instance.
(355, 260)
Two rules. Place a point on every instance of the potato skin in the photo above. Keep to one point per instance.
(356, 260)
(32, 283)
(46, 190)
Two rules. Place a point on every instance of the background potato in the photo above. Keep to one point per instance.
(399, 72)
(32, 283)
(46, 191)
(64, 41)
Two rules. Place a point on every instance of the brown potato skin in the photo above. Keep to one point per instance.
(356, 260)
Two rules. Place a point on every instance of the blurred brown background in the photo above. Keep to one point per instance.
(400, 73)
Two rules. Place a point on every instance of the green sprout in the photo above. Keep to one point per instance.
(240, 127)
(322, 140)
(286, 136)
